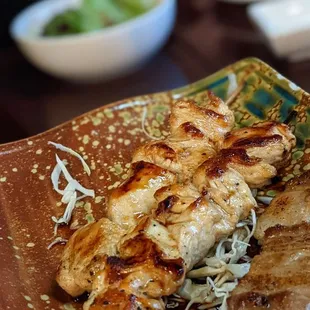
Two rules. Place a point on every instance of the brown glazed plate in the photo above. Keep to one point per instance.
(106, 138)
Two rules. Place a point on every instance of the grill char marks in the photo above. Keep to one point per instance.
(289, 208)
(255, 152)
(116, 299)
(280, 275)
(85, 254)
(143, 251)
(255, 171)
(165, 205)
(142, 172)
(142, 269)
(135, 197)
(215, 167)
(196, 132)
(191, 130)
(279, 278)
(257, 141)
(270, 142)
(162, 149)
(211, 115)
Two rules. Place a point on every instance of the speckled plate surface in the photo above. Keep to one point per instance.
(106, 138)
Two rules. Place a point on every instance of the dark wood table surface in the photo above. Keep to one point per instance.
(208, 36)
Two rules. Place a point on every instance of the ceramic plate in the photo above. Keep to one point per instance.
(106, 138)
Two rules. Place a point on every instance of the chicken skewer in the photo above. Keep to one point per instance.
(279, 278)
(154, 257)
(197, 194)
(256, 152)
(183, 151)
(92, 263)
(175, 159)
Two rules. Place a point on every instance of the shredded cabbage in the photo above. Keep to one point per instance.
(72, 152)
(172, 304)
(55, 179)
(70, 192)
(221, 269)
(56, 241)
(63, 169)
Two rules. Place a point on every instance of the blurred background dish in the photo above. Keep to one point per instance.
(101, 54)
(240, 1)
(207, 36)
(285, 25)
(91, 15)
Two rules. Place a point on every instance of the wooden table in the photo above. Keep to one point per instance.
(208, 36)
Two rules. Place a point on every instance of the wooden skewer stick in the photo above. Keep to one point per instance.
(233, 96)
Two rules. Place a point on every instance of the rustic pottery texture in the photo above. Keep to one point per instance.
(106, 138)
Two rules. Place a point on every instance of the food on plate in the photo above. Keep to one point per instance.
(289, 208)
(88, 243)
(186, 195)
(164, 162)
(279, 278)
(96, 14)
(256, 152)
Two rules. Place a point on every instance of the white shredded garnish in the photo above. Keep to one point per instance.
(221, 268)
(144, 115)
(264, 199)
(83, 190)
(72, 183)
(55, 179)
(72, 152)
(172, 304)
(56, 241)
(68, 212)
(81, 197)
(55, 227)
(211, 305)
(64, 169)
(189, 305)
(70, 192)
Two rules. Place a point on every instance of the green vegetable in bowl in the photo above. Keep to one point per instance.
(96, 14)
(69, 22)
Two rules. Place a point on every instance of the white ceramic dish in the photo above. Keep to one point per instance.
(284, 23)
(102, 54)
(239, 1)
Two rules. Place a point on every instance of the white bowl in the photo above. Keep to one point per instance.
(101, 54)
(239, 1)
(285, 24)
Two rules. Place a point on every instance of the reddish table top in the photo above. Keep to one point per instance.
(208, 36)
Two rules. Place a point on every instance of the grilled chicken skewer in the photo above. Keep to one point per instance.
(164, 260)
(279, 278)
(155, 165)
(256, 152)
(196, 133)
(154, 257)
